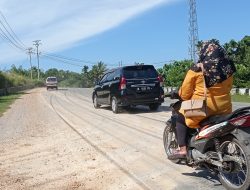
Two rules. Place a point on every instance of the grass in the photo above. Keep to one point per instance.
(6, 101)
(241, 98)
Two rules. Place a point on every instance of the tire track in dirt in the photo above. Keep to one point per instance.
(155, 158)
(75, 164)
(116, 137)
(134, 178)
(181, 185)
(89, 101)
(115, 120)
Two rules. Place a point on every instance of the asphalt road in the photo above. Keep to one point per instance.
(57, 140)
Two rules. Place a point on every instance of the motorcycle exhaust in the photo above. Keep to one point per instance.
(198, 157)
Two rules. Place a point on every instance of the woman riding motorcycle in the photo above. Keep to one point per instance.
(217, 70)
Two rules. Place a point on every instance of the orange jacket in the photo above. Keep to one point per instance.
(218, 96)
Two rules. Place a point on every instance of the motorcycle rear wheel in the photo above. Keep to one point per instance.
(239, 176)
(170, 141)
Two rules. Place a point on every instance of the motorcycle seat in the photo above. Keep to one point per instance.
(214, 119)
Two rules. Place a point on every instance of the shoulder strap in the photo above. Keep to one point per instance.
(204, 83)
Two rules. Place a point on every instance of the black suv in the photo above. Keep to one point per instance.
(129, 85)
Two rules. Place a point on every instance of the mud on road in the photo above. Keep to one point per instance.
(57, 140)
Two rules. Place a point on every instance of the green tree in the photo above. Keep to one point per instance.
(85, 69)
(175, 72)
(19, 70)
(86, 81)
(97, 71)
(239, 52)
(52, 72)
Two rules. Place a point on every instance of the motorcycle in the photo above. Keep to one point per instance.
(221, 145)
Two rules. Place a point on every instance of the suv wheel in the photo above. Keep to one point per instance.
(114, 105)
(153, 107)
(96, 105)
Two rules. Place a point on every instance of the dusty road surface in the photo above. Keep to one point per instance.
(57, 140)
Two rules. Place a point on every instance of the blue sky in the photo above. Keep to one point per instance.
(148, 31)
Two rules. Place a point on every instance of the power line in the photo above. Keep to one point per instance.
(13, 36)
(11, 29)
(68, 58)
(9, 35)
(5, 38)
(66, 61)
(61, 61)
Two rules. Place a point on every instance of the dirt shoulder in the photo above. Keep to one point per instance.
(57, 140)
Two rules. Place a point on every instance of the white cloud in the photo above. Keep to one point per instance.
(61, 24)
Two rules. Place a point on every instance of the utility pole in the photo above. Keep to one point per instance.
(193, 30)
(30, 52)
(37, 43)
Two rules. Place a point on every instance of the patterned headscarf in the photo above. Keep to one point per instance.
(217, 66)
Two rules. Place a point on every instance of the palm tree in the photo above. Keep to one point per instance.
(98, 70)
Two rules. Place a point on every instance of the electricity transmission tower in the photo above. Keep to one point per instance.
(30, 51)
(193, 30)
(37, 43)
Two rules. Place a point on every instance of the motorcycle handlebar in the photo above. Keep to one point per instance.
(167, 95)
(173, 95)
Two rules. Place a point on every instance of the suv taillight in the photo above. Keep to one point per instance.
(160, 79)
(122, 84)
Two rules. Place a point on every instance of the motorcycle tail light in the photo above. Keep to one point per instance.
(209, 130)
(243, 121)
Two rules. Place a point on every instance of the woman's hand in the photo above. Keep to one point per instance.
(201, 66)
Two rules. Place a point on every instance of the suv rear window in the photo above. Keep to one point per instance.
(140, 71)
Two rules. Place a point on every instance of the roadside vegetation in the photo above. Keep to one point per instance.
(239, 52)
(6, 101)
(14, 77)
(241, 98)
(21, 77)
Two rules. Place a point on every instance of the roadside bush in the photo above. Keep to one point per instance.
(17, 80)
(38, 83)
(242, 77)
(13, 80)
(71, 83)
(2, 80)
